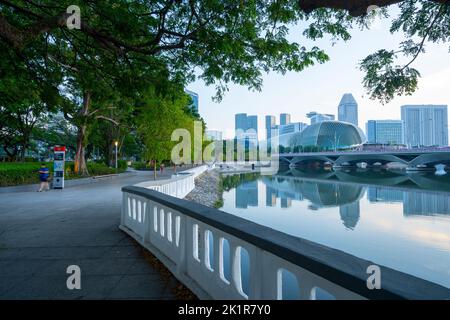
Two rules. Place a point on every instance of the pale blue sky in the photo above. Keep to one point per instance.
(320, 87)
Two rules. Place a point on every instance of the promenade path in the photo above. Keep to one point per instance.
(41, 234)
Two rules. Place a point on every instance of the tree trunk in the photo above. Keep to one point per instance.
(154, 170)
(22, 152)
(80, 161)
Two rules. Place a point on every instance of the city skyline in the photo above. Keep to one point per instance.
(316, 87)
(432, 131)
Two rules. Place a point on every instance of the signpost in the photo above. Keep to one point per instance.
(59, 153)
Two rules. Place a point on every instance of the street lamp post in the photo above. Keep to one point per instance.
(116, 143)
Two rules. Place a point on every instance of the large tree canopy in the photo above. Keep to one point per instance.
(228, 40)
(125, 48)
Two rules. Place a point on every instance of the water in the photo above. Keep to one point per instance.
(394, 219)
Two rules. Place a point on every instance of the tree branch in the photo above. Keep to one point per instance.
(355, 8)
(420, 47)
(109, 119)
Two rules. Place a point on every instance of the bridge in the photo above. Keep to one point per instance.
(412, 158)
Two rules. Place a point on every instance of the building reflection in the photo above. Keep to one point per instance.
(426, 204)
(283, 191)
(320, 194)
(414, 202)
(349, 214)
(271, 197)
(379, 194)
(247, 194)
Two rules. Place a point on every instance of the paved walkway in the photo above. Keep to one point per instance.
(41, 234)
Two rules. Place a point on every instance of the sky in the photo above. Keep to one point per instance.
(320, 87)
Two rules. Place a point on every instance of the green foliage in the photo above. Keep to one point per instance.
(140, 165)
(143, 166)
(122, 165)
(17, 173)
(384, 80)
(426, 20)
(219, 202)
(158, 117)
(120, 77)
(12, 173)
(95, 169)
(232, 181)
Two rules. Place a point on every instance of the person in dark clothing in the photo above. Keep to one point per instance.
(44, 175)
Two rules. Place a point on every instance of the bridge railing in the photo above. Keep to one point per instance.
(221, 256)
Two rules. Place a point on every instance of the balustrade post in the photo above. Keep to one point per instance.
(256, 274)
(148, 222)
(184, 244)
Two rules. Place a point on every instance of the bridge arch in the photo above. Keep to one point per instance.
(431, 159)
(370, 158)
(298, 159)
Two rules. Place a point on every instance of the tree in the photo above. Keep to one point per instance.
(24, 99)
(121, 49)
(54, 129)
(421, 21)
(229, 40)
(158, 117)
(236, 40)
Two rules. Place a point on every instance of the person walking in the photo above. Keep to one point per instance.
(44, 175)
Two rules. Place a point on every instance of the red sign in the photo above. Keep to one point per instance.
(59, 148)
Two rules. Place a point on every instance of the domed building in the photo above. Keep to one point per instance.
(327, 135)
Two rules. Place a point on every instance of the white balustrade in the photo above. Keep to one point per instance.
(209, 260)
(178, 186)
(183, 244)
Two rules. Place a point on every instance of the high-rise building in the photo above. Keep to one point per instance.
(194, 97)
(252, 123)
(285, 118)
(214, 135)
(348, 109)
(246, 128)
(292, 127)
(385, 131)
(425, 125)
(240, 122)
(319, 117)
(270, 122)
(244, 122)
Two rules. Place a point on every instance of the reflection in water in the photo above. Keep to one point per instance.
(328, 192)
(320, 194)
(416, 203)
(377, 194)
(247, 194)
(349, 214)
(379, 218)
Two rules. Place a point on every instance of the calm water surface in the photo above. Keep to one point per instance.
(392, 218)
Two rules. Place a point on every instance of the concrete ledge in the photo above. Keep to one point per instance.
(334, 265)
